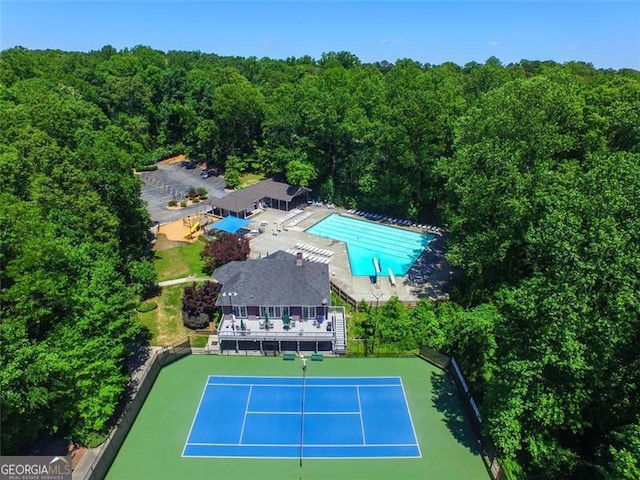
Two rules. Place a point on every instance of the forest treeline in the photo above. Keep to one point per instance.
(533, 167)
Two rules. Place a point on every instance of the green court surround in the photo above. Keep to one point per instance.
(153, 448)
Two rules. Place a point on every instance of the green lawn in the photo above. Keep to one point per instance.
(199, 341)
(153, 448)
(179, 262)
(250, 179)
(165, 322)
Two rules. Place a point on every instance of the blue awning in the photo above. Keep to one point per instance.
(229, 224)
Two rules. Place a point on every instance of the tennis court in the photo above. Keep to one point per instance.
(156, 448)
(290, 417)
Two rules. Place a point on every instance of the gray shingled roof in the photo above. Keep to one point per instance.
(274, 280)
(244, 199)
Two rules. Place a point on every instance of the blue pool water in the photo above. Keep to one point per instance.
(394, 247)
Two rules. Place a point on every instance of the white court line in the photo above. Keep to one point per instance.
(294, 378)
(406, 402)
(289, 445)
(336, 385)
(305, 412)
(193, 422)
(364, 440)
(310, 458)
(244, 419)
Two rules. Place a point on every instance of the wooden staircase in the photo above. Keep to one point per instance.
(340, 326)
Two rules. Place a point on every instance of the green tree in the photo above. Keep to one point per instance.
(300, 172)
(508, 150)
(395, 330)
(239, 112)
(232, 178)
(143, 278)
(622, 461)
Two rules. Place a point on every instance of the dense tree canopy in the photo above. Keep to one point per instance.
(73, 234)
(534, 167)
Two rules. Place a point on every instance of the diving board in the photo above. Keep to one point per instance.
(376, 265)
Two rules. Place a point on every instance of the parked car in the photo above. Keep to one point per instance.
(212, 172)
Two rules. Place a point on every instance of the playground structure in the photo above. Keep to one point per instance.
(196, 223)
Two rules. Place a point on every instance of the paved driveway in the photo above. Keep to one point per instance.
(171, 182)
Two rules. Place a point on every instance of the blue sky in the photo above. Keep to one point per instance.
(604, 33)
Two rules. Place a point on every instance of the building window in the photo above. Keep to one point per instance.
(273, 311)
(308, 312)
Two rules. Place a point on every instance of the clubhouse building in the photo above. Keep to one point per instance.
(267, 193)
(279, 303)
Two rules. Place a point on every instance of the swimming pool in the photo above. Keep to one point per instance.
(394, 247)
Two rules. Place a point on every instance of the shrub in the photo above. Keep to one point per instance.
(195, 321)
(146, 307)
(225, 248)
(196, 200)
(198, 304)
(94, 439)
(173, 203)
(183, 204)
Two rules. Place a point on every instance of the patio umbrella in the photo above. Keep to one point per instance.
(266, 320)
(241, 324)
(285, 319)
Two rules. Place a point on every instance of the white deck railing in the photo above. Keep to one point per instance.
(292, 335)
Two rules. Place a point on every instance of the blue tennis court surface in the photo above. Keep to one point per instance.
(263, 417)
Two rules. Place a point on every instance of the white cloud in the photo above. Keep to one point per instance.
(266, 42)
(494, 43)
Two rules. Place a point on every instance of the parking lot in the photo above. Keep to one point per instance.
(171, 182)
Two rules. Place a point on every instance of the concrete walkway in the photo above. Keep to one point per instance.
(177, 281)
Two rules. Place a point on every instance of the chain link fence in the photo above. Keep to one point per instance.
(159, 358)
(489, 450)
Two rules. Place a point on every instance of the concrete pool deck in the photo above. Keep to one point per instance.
(409, 289)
